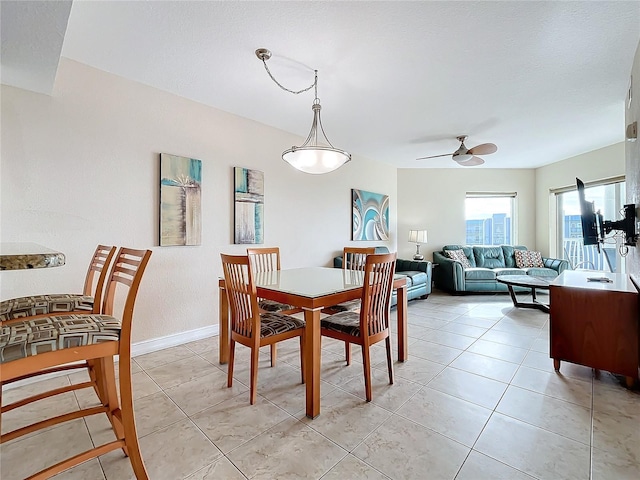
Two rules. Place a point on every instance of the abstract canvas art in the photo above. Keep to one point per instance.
(248, 206)
(370, 217)
(180, 204)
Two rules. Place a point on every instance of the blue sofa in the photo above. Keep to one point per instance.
(418, 276)
(487, 264)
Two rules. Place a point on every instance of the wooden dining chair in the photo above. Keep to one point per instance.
(353, 260)
(42, 343)
(267, 259)
(250, 326)
(371, 324)
(89, 301)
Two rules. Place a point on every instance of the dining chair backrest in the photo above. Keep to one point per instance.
(98, 267)
(265, 259)
(376, 293)
(354, 258)
(241, 294)
(125, 276)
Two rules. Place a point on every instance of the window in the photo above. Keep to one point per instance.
(608, 197)
(489, 218)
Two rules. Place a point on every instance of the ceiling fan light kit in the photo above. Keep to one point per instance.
(467, 157)
(316, 155)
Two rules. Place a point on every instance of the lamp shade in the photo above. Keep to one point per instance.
(464, 157)
(418, 236)
(315, 159)
(316, 155)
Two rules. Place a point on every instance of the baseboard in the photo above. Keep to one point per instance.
(155, 344)
(140, 348)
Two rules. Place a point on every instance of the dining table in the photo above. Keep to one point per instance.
(312, 289)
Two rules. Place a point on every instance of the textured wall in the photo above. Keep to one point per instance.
(632, 161)
(435, 199)
(81, 167)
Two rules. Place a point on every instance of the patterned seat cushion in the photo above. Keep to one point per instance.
(44, 304)
(272, 306)
(46, 334)
(350, 306)
(345, 322)
(275, 323)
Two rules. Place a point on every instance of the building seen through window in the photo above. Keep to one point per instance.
(489, 219)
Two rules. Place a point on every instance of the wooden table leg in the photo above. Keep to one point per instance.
(223, 324)
(401, 310)
(312, 361)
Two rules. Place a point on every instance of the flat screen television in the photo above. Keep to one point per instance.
(591, 221)
(594, 227)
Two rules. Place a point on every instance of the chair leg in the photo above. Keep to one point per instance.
(103, 373)
(255, 353)
(273, 354)
(128, 420)
(302, 356)
(347, 352)
(366, 360)
(389, 360)
(232, 354)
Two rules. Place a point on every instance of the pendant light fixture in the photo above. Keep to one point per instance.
(316, 155)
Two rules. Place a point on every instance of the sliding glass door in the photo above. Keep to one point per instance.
(609, 199)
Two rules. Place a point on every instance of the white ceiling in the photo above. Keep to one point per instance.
(544, 81)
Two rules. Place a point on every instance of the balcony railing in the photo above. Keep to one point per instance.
(588, 257)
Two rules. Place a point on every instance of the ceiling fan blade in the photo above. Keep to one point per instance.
(472, 163)
(483, 149)
(435, 156)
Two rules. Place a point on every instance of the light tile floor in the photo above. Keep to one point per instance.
(478, 399)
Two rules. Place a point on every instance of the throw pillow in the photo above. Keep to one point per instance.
(528, 258)
(458, 256)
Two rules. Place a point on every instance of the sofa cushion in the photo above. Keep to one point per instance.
(489, 257)
(468, 252)
(528, 258)
(509, 271)
(458, 256)
(415, 278)
(541, 272)
(509, 259)
(478, 273)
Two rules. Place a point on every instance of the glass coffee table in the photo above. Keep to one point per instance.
(526, 281)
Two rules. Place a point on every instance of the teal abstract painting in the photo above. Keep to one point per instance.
(180, 200)
(248, 206)
(370, 218)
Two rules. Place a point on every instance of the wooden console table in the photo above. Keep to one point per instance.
(596, 323)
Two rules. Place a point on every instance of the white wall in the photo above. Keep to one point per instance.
(81, 167)
(434, 199)
(599, 164)
(632, 163)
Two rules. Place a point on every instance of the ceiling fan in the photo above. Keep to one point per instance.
(467, 157)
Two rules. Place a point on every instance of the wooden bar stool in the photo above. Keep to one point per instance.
(47, 343)
(89, 301)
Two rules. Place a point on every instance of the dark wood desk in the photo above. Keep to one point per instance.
(596, 324)
(294, 288)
